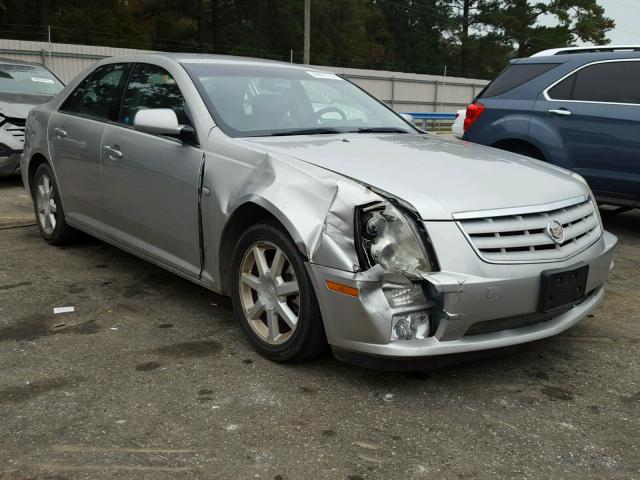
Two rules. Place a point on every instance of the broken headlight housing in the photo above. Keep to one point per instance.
(389, 238)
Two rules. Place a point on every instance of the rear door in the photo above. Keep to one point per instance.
(75, 133)
(151, 182)
(595, 112)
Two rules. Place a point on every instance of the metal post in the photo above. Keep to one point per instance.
(291, 56)
(307, 31)
(393, 91)
(49, 38)
(435, 98)
(444, 82)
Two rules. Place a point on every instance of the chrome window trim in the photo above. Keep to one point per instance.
(117, 123)
(545, 92)
(500, 212)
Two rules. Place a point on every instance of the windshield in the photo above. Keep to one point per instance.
(28, 80)
(261, 100)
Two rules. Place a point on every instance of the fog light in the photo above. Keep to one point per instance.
(405, 296)
(410, 326)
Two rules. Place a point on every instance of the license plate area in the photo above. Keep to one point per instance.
(562, 287)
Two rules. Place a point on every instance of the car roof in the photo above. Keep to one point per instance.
(579, 57)
(587, 49)
(203, 58)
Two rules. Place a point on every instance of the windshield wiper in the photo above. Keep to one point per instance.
(327, 130)
(380, 130)
(306, 131)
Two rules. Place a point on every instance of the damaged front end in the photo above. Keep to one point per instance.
(395, 298)
(388, 278)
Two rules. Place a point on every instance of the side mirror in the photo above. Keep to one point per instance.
(160, 121)
(408, 117)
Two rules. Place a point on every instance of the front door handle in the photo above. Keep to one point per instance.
(113, 151)
(563, 112)
(59, 132)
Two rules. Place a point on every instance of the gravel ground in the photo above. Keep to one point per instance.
(151, 378)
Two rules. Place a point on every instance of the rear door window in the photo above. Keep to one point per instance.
(151, 86)
(99, 94)
(587, 84)
(514, 76)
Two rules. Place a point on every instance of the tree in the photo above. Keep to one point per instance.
(97, 22)
(471, 37)
(467, 17)
(416, 27)
(518, 22)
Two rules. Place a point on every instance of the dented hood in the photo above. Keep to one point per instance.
(438, 177)
(15, 105)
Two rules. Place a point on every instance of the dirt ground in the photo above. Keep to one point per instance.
(151, 378)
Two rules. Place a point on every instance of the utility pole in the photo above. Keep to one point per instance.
(307, 31)
(464, 41)
(49, 39)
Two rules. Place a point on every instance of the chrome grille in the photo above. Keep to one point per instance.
(15, 127)
(525, 237)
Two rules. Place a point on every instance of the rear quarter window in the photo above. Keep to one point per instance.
(586, 84)
(514, 76)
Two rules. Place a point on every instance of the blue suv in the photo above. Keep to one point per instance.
(578, 108)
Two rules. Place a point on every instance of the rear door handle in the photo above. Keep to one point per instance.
(113, 151)
(563, 112)
(59, 132)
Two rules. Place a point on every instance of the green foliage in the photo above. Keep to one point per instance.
(517, 22)
(114, 24)
(471, 37)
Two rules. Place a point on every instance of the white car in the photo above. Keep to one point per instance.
(458, 125)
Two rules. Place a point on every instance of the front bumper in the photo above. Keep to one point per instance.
(488, 293)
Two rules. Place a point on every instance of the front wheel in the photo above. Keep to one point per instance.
(273, 297)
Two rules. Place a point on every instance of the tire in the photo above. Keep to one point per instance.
(266, 265)
(48, 208)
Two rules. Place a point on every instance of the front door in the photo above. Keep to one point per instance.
(151, 182)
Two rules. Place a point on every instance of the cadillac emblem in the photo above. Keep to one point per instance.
(556, 232)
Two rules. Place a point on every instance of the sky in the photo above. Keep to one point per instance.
(625, 13)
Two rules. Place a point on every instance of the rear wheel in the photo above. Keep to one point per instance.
(48, 209)
(273, 297)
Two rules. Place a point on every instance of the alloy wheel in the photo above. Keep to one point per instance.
(269, 292)
(46, 204)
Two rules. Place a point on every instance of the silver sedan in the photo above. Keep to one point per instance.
(329, 219)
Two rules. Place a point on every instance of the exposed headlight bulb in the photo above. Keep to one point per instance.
(395, 243)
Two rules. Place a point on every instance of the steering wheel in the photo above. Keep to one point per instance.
(325, 110)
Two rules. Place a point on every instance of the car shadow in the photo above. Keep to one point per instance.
(624, 224)
(12, 182)
(492, 363)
